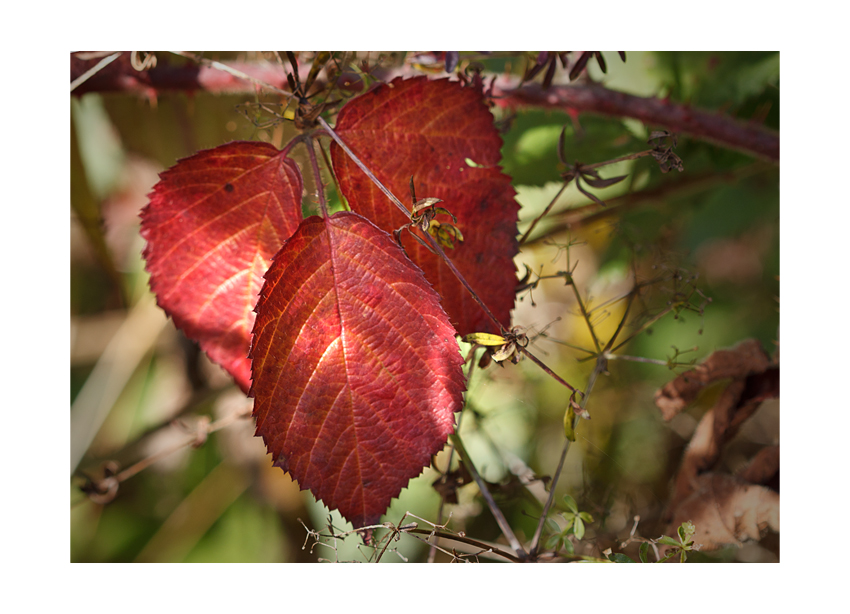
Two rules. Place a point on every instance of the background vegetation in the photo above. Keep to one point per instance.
(138, 387)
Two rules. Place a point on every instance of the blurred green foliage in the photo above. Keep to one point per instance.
(222, 501)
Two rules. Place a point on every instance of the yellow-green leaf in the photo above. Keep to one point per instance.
(485, 339)
(569, 418)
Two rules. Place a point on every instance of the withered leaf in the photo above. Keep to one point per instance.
(746, 358)
(763, 467)
(727, 511)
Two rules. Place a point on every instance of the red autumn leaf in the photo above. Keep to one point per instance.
(213, 222)
(428, 130)
(357, 373)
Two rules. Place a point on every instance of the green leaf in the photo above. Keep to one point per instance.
(644, 552)
(619, 557)
(578, 528)
(667, 541)
(571, 504)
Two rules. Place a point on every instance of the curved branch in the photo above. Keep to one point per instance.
(506, 90)
(709, 126)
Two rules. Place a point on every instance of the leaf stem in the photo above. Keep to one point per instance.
(437, 249)
(331, 133)
(434, 244)
(314, 164)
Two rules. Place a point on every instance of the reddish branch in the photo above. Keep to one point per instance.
(682, 119)
(714, 127)
(120, 76)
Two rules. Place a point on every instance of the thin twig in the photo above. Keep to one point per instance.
(535, 541)
(471, 360)
(544, 214)
(437, 249)
(575, 217)
(491, 503)
(586, 317)
(601, 367)
(104, 490)
(331, 133)
(467, 540)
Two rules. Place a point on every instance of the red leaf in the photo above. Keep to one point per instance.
(356, 370)
(428, 129)
(213, 223)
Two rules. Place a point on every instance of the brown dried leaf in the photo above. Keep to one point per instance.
(738, 402)
(727, 511)
(745, 359)
(763, 467)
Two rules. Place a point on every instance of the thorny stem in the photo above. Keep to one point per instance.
(301, 138)
(470, 541)
(413, 529)
(434, 244)
(497, 513)
(330, 131)
(507, 90)
(437, 249)
(482, 485)
(602, 356)
(320, 189)
(328, 164)
(706, 125)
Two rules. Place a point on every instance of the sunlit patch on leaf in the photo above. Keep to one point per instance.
(213, 223)
(357, 373)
